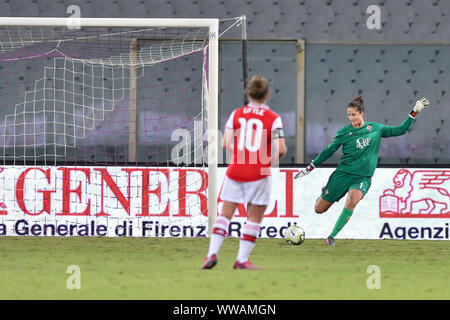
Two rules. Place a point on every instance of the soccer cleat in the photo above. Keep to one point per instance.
(329, 242)
(245, 265)
(209, 262)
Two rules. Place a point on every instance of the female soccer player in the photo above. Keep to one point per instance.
(254, 135)
(360, 142)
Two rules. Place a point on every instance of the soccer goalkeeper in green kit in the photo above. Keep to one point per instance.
(360, 142)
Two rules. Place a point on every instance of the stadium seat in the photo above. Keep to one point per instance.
(347, 18)
(233, 70)
(339, 100)
(187, 8)
(316, 31)
(292, 12)
(319, 11)
(106, 9)
(396, 66)
(397, 28)
(318, 74)
(317, 71)
(443, 111)
(342, 75)
(318, 21)
(289, 26)
(443, 29)
(374, 98)
(236, 8)
(8, 76)
(420, 31)
(444, 7)
(133, 9)
(292, 19)
(341, 30)
(265, 6)
(443, 81)
(316, 98)
(399, 10)
(5, 9)
(423, 56)
(365, 56)
(341, 55)
(400, 97)
(364, 4)
(231, 50)
(365, 80)
(267, 16)
(24, 8)
(212, 9)
(52, 8)
(428, 10)
(423, 80)
(263, 24)
(261, 51)
(427, 17)
(346, 8)
(230, 78)
(395, 55)
(396, 77)
(281, 67)
(286, 49)
(159, 9)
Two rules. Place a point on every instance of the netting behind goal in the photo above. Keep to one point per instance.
(104, 125)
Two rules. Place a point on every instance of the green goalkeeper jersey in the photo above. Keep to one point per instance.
(360, 146)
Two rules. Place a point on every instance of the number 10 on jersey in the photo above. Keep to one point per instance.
(250, 134)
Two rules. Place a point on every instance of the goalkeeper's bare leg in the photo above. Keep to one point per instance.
(322, 205)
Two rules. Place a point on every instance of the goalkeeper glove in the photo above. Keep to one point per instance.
(420, 105)
(305, 171)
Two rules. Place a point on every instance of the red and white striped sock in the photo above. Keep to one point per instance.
(219, 233)
(248, 239)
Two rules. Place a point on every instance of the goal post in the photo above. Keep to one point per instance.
(23, 39)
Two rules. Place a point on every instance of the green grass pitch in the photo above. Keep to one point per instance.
(169, 269)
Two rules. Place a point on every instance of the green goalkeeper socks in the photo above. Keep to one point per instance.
(340, 223)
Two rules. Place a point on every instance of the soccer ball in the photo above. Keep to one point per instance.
(294, 235)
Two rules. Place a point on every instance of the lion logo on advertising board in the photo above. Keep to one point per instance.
(417, 193)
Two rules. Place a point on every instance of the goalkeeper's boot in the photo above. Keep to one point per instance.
(329, 242)
(245, 265)
(209, 262)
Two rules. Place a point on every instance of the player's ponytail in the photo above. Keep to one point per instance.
(358, 104)
(257, 88)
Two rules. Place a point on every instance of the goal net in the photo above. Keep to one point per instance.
(109, 126)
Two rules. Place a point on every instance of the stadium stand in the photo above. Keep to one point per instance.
(52, 8)
(420, 20)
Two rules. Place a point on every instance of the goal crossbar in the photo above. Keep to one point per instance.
(212, 24)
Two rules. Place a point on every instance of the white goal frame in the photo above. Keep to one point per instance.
(213, 73)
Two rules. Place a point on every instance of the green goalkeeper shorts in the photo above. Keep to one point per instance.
(341, 182)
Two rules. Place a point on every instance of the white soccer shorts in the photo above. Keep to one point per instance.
(254, 192)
